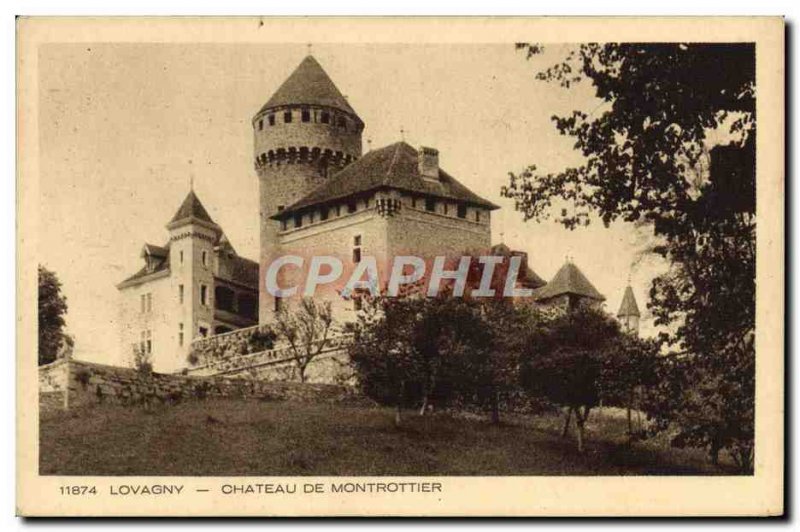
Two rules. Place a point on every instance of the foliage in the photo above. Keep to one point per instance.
(52, 308)
(305, 329)
(652, 156)
(418, 351)
(566, 360)
(142, 361)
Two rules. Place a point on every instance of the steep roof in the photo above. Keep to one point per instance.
(628, 306)
(309, 84)
(192, 208)
(569, 280)
(529, 277)
(394, 166)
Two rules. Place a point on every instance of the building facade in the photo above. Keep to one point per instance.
(195, 285)
(319, 196)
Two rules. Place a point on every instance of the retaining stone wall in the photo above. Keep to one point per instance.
(90, 383)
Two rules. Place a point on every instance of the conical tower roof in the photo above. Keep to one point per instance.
(309, 84)
(628, 306)
(569, 280)
(191, 208)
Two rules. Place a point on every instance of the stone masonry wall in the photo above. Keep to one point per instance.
(90, 384)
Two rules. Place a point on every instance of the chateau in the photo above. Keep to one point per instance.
(319, 195)
(194, 285)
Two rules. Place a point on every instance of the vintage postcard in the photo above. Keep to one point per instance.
(400, 267)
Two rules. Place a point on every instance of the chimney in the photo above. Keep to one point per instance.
(429, 163)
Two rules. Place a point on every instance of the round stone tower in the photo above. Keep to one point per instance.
(304, 134)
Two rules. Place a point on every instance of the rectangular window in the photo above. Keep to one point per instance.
(181, 256)
(326, 118)
(283, 224)
(306, 115)
(203, 331)
(338, 210)
(180, 334)
(149, 349)
(204, 295)
(323, 214)
(261, 124)
(430, 204)
(445, 207)
(477, 215)
(149, 302)
(298, 220)
(357, 249)
(271, 120)
(180, 294)
(462, 210)
(351, 207)
(204, 258)
(413, 203)
(287, 117)
(143, 303)
(143, 342)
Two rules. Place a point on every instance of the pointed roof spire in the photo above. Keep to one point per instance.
(191, 209)
(309, 84)
(569, 280)
(628, 306)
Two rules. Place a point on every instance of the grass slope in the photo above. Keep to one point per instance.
(282, 438)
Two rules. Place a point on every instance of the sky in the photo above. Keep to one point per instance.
(124, 128)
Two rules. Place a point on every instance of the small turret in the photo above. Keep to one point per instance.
(629, 312)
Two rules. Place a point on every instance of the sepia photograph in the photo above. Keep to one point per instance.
(390, 264)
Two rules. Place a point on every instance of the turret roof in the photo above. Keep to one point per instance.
(569, 280)
(191, 208)
(395, 166)
(628, 306)
(309, 84)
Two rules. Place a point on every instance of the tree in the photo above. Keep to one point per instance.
(381, 354)
(565, 361)
(650, 157)
(306, 330)
(52, 308)
(629, 368)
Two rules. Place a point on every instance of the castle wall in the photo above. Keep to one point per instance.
(160, 321)
(89, 384)
(415, 231)
(336, 237)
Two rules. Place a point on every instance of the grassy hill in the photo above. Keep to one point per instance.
(283, 438)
